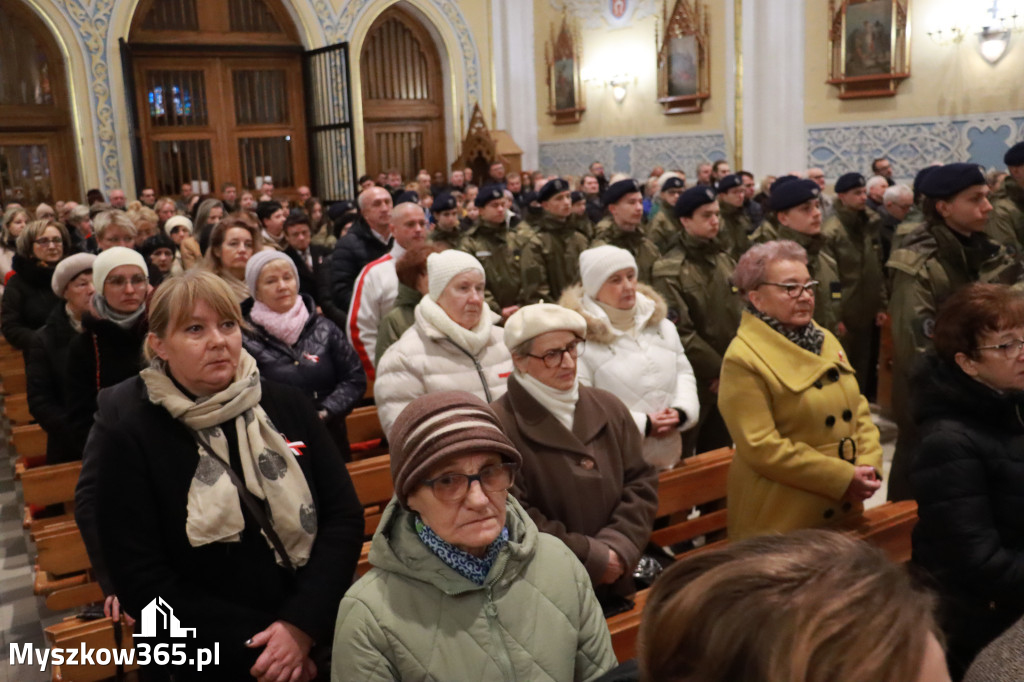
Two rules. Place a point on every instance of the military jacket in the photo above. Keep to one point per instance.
(583, 225)
(449, 238)
(853, 239)
(1006, 222)
(634, 241)
(694, 278)
(500, 251)
(550, 258)
(767, 231)
(665, 227)
(734, 234)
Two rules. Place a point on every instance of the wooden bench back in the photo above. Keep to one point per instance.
(73, 632)
(51, 484)
(372, 481)
(16, 409)
(697, 480)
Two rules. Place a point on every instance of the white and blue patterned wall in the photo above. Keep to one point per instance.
(633, 155)
(913, 144)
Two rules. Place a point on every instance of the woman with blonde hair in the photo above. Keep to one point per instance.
(232, 244)
(145, 221)
(809, 606)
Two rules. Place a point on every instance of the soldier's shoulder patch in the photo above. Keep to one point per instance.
(928, 327)
(835, 291)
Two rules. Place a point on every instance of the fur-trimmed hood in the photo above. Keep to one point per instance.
(599, 329)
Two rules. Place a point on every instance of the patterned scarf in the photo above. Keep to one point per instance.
(465, 564)
(808, 337)
(269, 467)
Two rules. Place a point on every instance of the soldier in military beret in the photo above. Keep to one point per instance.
(499, 249)
(736, 227)
(407, 197)
(446, 221)
(796, 208)
(948, 251)
(853, 239)
(624, 201)
(664, 226)
(1006, 224)
(550, 260)
(768, 230)
(694, 278)
(580, 220)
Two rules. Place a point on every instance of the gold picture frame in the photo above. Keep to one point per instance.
(565, 92)
(684, 80)
(869, 47)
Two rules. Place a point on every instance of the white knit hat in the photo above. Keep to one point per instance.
(177, 221)
(111, 258)
(444, 266)
(600, 263)
(531, 321)
(254, 266)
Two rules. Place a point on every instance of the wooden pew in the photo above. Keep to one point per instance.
(696, 480)
(16, 409)
(889, 527)
(29, 443)
(372, 480)
(73, 632)
(13, 378)
(47, 485)
(365, 434)
(63, 568)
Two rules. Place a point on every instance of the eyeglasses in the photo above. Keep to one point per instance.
(553, 358)
(49, 241)
(452, 487)
(120, 280)
(1010, 349)
(793, 290)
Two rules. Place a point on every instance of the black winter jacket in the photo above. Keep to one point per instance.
(968, 479)
(131, 504)
(104, 355)
(45, 371)
(352, 252)
(27, 302)
(310, 278)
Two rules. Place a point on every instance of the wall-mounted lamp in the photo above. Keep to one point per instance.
(993, 38)
(618, 85)
(992, 43)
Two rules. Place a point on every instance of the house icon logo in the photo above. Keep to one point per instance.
(158, 618)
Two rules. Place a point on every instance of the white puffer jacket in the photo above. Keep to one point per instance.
(425, 361)
(648, 373)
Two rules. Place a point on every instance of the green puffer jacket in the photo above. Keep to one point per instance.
(413, 618)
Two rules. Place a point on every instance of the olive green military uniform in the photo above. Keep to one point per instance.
(551, 259)
(914, 220)
(665, 227)
(932, 263)
(828, 299)
(582, 224)
(401, 316)
(768, 230)
(694, 278)
(1006, 222)
(449, 238)
(500, 251)
(734, 234)
(634, 241)
(853, 239)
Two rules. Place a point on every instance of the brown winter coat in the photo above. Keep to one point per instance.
(591, 488)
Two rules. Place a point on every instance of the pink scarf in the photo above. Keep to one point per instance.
(285, 326)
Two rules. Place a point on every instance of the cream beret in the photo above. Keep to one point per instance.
(533, 320)
(177, 221)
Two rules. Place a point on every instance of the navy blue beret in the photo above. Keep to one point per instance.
(444, 202)
(792, 193)
(943, 182)
(919, 178)
(1015, 157)
(729, 182)
(551, 188)
(340, 208)
(487, 194)
(672, 183)
(692, 199)
(408, 197)
(577, 196)
(850, 181)
(619, 189)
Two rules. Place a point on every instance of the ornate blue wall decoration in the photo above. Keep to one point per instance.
(913, 144)
(634, 155)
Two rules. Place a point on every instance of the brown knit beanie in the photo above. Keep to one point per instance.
(440, 426)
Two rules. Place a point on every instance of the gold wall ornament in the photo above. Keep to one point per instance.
(869, 46)
(684, 68)
(563, 55)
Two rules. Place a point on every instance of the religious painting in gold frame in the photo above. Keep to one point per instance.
(565, 94)
(683, 62)
(869, 47)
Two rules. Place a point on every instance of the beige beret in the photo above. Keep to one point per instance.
(533, 320)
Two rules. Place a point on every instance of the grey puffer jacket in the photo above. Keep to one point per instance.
(412, 617)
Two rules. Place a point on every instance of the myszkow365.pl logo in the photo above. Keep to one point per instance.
(158, 620)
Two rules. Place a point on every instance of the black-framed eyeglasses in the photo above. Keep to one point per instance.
(553, 358)
(49, 241)
(793, 290)
(1010, 350)
(493, 478)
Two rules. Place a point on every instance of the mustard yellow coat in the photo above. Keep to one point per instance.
(788, 410)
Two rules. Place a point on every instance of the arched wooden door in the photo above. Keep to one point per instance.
(403, 98)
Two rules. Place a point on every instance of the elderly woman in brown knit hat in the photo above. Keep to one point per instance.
(463, 586)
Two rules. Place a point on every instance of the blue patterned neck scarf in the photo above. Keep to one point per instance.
(465, 564)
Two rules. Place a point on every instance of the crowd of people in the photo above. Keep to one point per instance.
(539, 349)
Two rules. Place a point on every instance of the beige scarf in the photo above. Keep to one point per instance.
(269, 467)
(473, 340)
